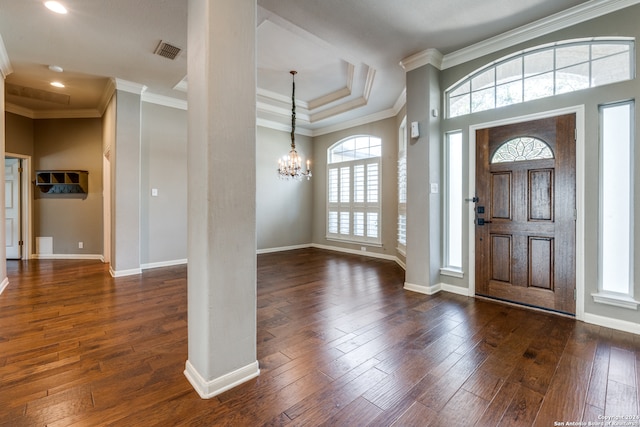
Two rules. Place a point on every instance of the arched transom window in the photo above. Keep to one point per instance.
(543, 71)
(521, 149)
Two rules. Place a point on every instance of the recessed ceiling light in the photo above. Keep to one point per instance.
(56, 68)
(56, 7)
(57, 84)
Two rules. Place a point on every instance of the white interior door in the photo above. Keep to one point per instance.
(12, 208)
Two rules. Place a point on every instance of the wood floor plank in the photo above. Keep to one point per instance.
(339, 343)
(523, 408)
(567, 392)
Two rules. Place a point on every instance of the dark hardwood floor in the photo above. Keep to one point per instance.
(340, 343)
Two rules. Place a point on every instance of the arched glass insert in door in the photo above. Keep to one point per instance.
(521, 149)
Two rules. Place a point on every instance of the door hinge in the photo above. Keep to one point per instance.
(20, 170)
(20, 243)
(575, 214)
(575, 135)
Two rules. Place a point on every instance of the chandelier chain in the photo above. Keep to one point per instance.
(290, 166)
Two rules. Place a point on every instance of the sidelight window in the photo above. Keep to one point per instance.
(616, 206)
(453, 204)
(402, 187)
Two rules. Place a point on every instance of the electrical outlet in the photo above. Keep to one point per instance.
(363, 248)
(80, 245)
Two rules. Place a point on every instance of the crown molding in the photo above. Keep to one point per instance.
(52, 114)
(270, 124)
(385, 114)
(106, 96)
(5, 64)
(572, 16)
(429, 56)
(131, 87)
(167, 101)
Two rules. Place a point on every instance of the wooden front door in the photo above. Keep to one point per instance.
(525, 213)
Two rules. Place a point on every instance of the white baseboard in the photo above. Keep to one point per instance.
(282, 249)
(122, 273)
(161, 264)
(431, 290)
(607, 322)
(458, 290)
(427, 290)
(354, 251)
(68, 256)
(4, 284)
(208, 389)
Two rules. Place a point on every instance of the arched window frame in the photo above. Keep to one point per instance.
(354, 190)
(496, 85)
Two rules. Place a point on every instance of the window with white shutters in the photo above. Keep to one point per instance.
(353, 190)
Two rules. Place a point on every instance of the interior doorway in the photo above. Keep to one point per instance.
(18, 206)
(525, 213)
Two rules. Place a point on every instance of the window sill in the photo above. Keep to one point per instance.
(453, 272)
(355, 242)
(617, 300)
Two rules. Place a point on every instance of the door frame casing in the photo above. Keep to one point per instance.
(26, 197)
(579, 111)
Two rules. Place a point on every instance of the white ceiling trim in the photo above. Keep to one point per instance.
(279, 98)
(165, 101)
(350, 105)
(429, 56)
(52, 114)
(270, 124)
(556, 22)
(131, 87)
(339, 94)
(385, 114)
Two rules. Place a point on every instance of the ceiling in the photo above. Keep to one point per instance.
(347, 55)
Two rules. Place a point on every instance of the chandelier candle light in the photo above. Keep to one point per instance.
(290, 166)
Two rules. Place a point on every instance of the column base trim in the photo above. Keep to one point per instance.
(208, 389)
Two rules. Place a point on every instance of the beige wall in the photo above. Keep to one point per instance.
(163, 225)
(19, 134)
(283, 208)
(69, 144)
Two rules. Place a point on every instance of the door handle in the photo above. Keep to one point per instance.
(474, 200)
(482, 221)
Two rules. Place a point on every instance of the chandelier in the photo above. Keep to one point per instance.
(290, 166)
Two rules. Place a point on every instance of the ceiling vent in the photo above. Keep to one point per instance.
(166, 50)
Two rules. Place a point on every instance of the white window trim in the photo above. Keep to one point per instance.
(448, 269)
(402, 207)
(352, 207)
(617, 299)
